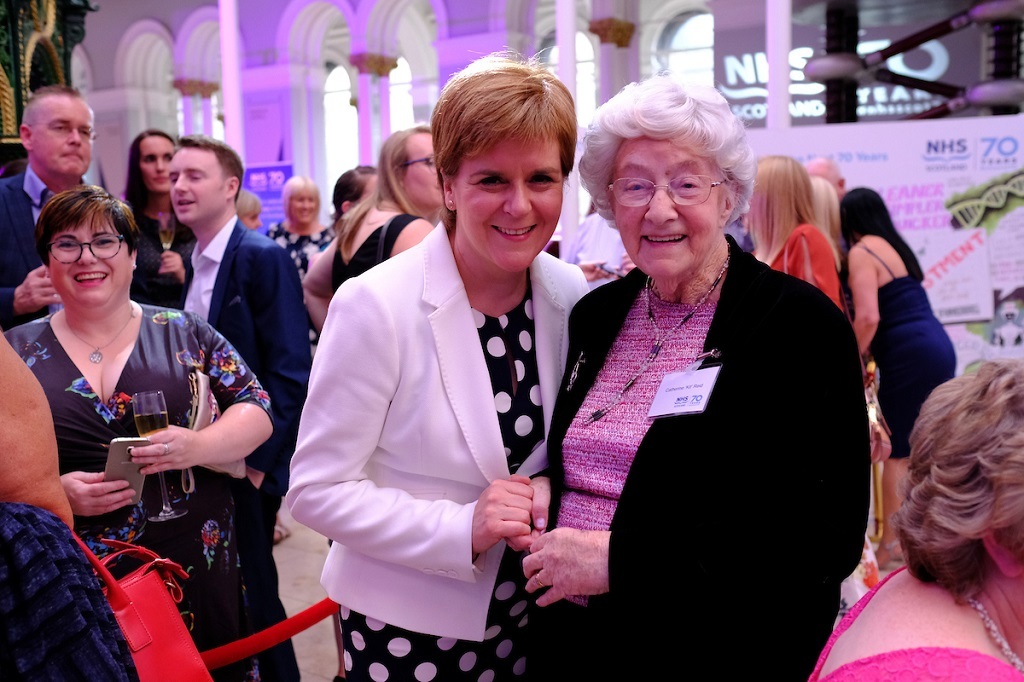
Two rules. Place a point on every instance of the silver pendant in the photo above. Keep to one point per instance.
(96, 357)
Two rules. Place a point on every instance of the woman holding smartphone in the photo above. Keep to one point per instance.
(90, 358)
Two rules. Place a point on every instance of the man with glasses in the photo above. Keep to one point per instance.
(57, 132)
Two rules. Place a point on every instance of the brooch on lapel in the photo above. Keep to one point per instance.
(575, 372)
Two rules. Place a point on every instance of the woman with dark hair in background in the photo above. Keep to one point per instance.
(164, 243)
(892, 319)
(352, 185)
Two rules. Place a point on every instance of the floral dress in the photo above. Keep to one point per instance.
(170, 345)
(302, 247)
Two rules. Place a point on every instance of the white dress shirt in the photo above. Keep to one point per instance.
(205, 264)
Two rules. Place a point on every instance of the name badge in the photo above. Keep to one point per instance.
(685, 392)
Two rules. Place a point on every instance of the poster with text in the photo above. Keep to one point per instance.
(955, 190)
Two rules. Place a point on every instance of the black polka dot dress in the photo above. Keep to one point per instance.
(379, 652)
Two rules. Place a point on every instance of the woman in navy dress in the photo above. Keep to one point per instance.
(893, 320)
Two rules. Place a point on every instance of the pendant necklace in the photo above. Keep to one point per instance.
(96, 357)
(658, 341)
(997, 637)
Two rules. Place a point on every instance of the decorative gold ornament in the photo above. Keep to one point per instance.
(375, 64)
(612, 30)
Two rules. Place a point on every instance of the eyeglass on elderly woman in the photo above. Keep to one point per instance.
(69, 251)
(685, 190)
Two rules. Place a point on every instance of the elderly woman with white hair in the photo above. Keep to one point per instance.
(707, 400)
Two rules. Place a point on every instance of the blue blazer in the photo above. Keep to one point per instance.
(257, 305)
(18, 254)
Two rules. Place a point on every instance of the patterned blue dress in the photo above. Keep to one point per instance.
(170, 344)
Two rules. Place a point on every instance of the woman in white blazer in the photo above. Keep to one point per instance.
(431, 392)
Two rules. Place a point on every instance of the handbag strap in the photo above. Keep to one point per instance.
(115, 593)
(381, 256)
(868, 377)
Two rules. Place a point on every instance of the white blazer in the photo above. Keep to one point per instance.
(399, 436)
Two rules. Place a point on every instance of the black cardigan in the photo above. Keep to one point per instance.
(737, 525)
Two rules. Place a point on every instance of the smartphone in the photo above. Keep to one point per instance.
(610, 270)
(121, 467)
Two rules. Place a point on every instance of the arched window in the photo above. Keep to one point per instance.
(687, 46)
(341, 123)
(400, 78)
(586, 73)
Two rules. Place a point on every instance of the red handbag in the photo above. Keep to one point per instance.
(144, 604)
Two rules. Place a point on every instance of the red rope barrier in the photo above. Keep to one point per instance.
(264, 639)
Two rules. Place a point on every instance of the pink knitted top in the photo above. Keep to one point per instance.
(920, 664)
(597, 456)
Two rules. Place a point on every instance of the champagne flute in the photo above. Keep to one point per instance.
(151, 416)
(166, 222)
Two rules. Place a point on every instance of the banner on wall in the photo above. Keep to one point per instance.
(741, 71)
(266, 182)
(955, 189)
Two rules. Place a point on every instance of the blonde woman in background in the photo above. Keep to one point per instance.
(249, 208)
(781, 223)
(301, 233)
(407, 190)
(825, 200)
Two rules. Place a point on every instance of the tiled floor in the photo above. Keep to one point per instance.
(300, 558)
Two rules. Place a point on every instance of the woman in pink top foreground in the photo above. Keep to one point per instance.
(957, 611)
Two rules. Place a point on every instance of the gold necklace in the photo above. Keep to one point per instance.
(96, 357)
(658, 343)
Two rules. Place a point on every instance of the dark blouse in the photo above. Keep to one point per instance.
(365, 256)
(148, 286)
(511, 356)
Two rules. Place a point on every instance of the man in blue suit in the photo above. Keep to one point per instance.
(56, 131)
(247, 287)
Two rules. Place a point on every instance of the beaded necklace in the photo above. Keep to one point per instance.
(658, 342)
(997, 637)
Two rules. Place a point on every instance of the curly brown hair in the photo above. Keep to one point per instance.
(966, 478)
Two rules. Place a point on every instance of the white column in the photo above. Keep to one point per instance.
(367, 152)
(384, 97)
(187, 115)
(565, 38)
(207, 106)
(231, 77)
(778, 41)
